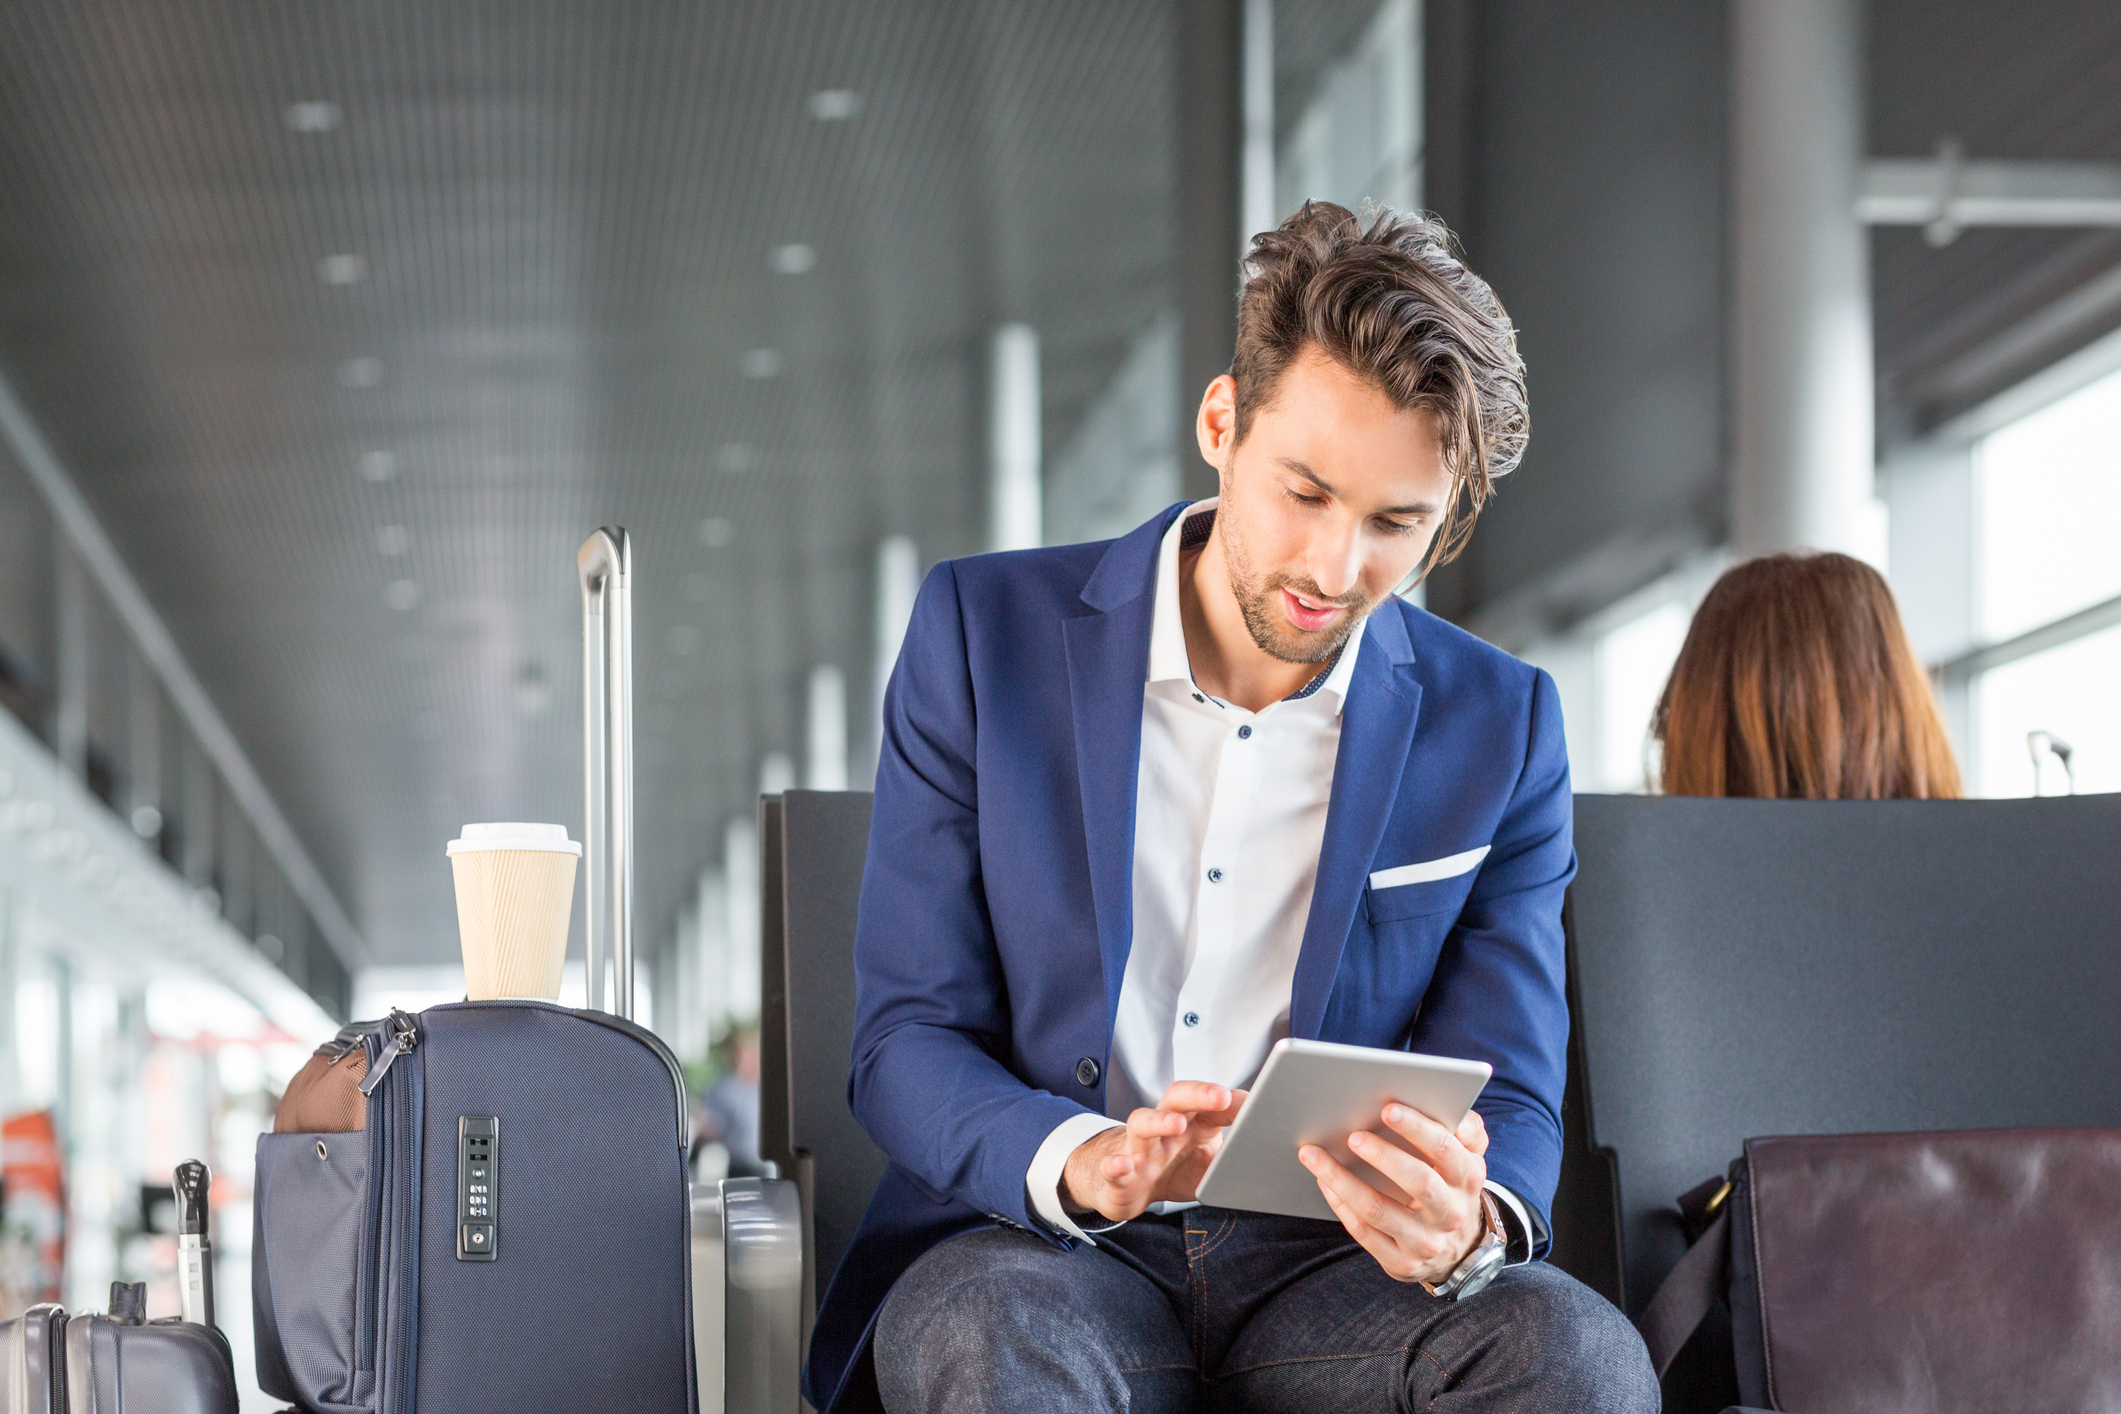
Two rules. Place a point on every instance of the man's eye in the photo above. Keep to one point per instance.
(1401, 527)
(1303, 498)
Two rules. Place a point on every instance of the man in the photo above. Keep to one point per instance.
(1147, 806)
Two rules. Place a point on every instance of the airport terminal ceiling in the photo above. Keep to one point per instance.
(351, 319)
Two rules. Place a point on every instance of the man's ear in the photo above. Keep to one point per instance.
(1215, 427)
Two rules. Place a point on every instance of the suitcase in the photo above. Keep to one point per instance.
(511, 1231)
(115, 1364)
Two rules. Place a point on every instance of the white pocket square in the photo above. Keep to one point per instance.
(1428, 871)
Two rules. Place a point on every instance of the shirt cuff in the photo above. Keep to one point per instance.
(1043, 1181)
(1523, 1233)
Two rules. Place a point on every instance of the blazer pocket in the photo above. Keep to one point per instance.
(1417, 890)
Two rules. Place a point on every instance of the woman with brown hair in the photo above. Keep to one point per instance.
(1797, 681)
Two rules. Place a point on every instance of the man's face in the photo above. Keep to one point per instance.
(1327, 505)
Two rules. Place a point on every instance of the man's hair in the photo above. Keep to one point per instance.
(1392, 303)
(1797, 681)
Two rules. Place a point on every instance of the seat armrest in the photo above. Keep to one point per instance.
(762, 1254)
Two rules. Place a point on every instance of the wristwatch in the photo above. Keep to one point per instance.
(1482, 1266)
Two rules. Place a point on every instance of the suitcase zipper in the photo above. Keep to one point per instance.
(407, 1037)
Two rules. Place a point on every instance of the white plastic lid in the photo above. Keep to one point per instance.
(550, 838)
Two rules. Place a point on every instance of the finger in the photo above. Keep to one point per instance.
(1359, 1198)
(1197, 1097)
(1473, 1133)
(1155, 1124)
(1424, 1188)
(1436, 1144)
(1388, 1253)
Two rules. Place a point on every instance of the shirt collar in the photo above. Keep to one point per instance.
(1167, 633)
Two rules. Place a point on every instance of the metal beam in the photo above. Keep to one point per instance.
(1946, 193)
(101, 559)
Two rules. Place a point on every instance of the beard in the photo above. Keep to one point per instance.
(1271, 630)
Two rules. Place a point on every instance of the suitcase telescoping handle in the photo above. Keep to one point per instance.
(606, 564)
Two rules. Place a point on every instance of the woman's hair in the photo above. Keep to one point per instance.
(1797, 681)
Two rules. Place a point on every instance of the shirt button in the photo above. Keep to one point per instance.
(1198, 698)
(1215, 876)
(1192, 1018)
(1086, 1071)
(1244, 733)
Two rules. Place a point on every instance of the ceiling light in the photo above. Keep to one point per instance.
(762, 363)
(738, 457)
(835, 105)
(795, 258)
(532, 692)
(378, 466)
(715, 532)
(341, 269)
(312, 117)
(147, 821)
(392, 540)
(271, 948)
(402, 594)
(361, 372)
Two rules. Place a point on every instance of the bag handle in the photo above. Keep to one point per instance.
(605, 563)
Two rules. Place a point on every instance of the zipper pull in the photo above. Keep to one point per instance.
(406, 1038)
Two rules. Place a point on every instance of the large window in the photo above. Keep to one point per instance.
(2047, 594)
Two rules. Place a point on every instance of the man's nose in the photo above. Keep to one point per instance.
(1336, 560)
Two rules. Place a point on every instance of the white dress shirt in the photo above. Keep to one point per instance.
(1230, 813)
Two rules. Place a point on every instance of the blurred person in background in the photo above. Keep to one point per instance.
(731, 1106)
(1797, 681)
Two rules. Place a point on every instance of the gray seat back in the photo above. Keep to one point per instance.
(1744, 968)
(813, 844)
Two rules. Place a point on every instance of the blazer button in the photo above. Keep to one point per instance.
(1086, 1071)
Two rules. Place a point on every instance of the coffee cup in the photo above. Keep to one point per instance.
(515, 895)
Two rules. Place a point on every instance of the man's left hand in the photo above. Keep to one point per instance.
(1441, 1221)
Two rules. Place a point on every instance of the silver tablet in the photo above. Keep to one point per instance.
(1316, 1092)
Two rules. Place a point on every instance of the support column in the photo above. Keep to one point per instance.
(1801, 364)
(1015, 490)
(70, 701)
(1211, 142)
(827, 721)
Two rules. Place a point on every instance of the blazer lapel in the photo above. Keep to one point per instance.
(1376, 733)
(1108, 667)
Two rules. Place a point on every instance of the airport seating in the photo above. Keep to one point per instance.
(812, 846)
(1737, 968)
(1742, 968)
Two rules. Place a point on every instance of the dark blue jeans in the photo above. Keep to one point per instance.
(1218, 1310)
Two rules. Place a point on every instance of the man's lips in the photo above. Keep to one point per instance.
(1309, 619)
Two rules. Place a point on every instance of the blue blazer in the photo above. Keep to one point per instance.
(996, 906)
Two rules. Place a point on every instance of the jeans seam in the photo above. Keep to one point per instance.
(1320, 1359)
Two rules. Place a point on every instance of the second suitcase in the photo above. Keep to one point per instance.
(54, 1364)
(510, 1232)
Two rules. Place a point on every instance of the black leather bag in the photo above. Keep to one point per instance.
(114, 1364)
(1928, 1273)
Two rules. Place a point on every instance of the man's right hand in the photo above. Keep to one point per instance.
(1158, 1158)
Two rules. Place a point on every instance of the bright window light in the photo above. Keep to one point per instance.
(1633, 660)
(2073, 691)
(2048, 496)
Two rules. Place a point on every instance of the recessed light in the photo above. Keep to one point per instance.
(146, 821)
(393, 540)
(762, 363)
(271, 948)
(342, 269)
(795, 258)
(378, 466)
(738, 457)
(361, 372)
(835, 105)
(402, 594)
(715, 532)
(312, 117)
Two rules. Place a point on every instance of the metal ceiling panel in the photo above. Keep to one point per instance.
(357, 503)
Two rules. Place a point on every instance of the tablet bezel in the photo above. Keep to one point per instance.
(1320, 1092)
